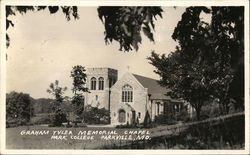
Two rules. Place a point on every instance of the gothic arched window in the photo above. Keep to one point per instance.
(127, 93)
(101, 83)
(93, 83)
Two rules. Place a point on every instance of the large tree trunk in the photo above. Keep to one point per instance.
(198, 113)
(198, 110)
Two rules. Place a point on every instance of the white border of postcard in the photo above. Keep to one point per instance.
(122, 3)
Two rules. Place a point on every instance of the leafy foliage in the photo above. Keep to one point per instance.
(124, 24)
(59, 117)
(228, 26)
(78, 104)
(41, 119)
(165, 119)
(93, 115)
(41, 105)
(18, 107)
(56, 106)
(186, 80)
(203, 65)
(225, 39)
(79, 86)
(57, 91)
(79, 79)
(69, 11)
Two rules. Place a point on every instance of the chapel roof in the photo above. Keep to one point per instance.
(154, 88)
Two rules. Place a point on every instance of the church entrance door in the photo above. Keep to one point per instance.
(122, 116)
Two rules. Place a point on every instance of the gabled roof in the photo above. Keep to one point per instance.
(154, 88)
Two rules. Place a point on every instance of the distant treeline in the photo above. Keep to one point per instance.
(43, 105)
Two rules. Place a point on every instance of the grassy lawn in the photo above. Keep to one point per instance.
(14, 140)
(224, 132)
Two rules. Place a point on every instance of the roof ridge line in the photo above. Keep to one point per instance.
(145, 77)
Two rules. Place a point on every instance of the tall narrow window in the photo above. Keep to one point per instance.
(101, 83)
(123, 96)
(93, 83)
(127, 93)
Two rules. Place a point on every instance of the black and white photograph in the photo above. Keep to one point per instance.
(125, 76)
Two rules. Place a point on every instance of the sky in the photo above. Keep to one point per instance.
(44, 47)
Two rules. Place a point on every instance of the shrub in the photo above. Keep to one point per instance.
(69, 126)
(41, 119)
(150, 125)
(11, 123)
(164, 119)
(19, 108)
(210, 110)
(80, 125)
(93, 115)
(78, 104)
(125, 126)
(59, 117)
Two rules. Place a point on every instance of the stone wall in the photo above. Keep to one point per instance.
(139, 103)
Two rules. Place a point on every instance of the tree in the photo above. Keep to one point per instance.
(228, 25)
(18, 107)
(186, 71)
(57, 91)
(124, 24)
(186, 79)
(204, 63)
(56, 106)
(225, 39)
(79, 79)
(224, 36)
(79, 86)
(69, 11)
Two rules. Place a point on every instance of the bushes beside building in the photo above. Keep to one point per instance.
(165, 119)
(90, 115)
(93, 115)
(172, 116)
